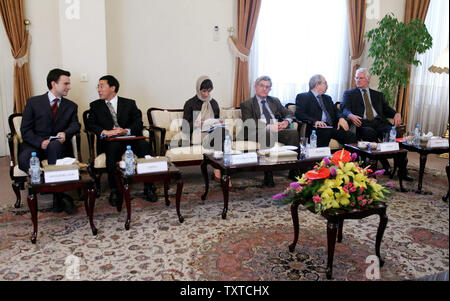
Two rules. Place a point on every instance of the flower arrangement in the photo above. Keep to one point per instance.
(339, 183)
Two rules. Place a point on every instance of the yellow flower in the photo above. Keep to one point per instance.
(342, 198)
(360, 180)
(345, 171)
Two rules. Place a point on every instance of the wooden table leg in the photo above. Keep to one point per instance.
(91, 199)
(166, 192)
(380, 232)
(423, 162)
(225, 181)
(294, 213)
(204, 167)
(340, 229)
(402, 162)
(445, 197)
(178, 199)
(126, 188)
(32, 204)
(331, 236)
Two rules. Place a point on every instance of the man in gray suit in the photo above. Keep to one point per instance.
(267, 121)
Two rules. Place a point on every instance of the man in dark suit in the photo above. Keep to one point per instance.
(368, 110)
(318, 108)
(267, 121)
(50, 115)
(112, 116)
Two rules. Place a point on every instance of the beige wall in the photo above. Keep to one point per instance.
(158, 49)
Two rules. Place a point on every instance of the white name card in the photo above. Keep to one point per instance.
(437, 143)
(318, 152)
(57, 176)
(151, 167)
(246, 158)
(388, 147)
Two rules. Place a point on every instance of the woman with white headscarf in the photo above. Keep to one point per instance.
(202, 112)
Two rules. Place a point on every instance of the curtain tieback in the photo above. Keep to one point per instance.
(237, 53)
(24, 59)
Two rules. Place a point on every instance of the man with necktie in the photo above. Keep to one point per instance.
(270, 121)
(368, 110)
(318, 108)
(112, 116)
(49, 115)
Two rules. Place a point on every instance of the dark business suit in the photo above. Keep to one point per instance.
(38, 125)
(308, 108)
(370, 130)
(128, 117)
(251, 111)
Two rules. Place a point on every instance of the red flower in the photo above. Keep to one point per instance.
(341, 156)
(324, 173)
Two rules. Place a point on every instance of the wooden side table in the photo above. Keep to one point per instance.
(124, 186)
(335, 223)
(424, 152)
(86, 184)
(400, 159)
(261, 166)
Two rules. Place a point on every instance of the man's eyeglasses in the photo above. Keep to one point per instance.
(264, 86)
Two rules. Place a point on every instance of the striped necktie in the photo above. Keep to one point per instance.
(369, 111)
(328, 118)
(113, 114)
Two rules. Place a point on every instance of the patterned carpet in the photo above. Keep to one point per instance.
(252, 244)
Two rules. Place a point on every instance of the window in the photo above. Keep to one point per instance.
(295, 40)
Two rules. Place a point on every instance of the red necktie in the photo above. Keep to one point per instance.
(55, 107)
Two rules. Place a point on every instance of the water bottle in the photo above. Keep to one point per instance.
(35, 169)
(417, 135)
(313, 139)
(129, 161)
(227, 151)
(393, 135)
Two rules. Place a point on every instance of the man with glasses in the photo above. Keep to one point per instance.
(318, 108)
(112, 116)
(271, 121)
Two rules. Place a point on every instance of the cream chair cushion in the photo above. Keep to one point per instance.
(186, 153)
(18, 172)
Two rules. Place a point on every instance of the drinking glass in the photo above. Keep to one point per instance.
(303, 145)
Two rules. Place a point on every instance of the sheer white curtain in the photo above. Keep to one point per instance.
(429, 91)
(295, 40)
(6, 89)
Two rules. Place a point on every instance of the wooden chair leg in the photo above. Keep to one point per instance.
(16, 188)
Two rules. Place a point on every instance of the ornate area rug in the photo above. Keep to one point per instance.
(252, 244)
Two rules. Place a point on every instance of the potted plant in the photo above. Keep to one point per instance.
(394, 46)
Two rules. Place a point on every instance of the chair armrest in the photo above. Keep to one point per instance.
(152, 129)
(76, 146)
(91, 143)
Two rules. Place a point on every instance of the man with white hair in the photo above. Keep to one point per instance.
(368, 110)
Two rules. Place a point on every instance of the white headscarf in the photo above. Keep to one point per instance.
(207, 110)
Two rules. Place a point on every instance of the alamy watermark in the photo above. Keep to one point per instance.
(373, 271)
(73, 8)
(72, 268)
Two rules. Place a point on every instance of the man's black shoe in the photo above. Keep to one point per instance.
(268, 179)
(408, 178)
(68, 203)
(58, 205)
(150, 192)
(113, 198)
